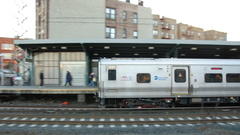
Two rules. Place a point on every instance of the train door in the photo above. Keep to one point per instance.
(180, 81)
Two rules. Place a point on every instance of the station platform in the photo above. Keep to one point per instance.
(47, 90)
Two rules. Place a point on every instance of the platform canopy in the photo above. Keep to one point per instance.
(150, 48)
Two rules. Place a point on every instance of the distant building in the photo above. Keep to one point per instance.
(9, 52)
(110, 19)
(92, 19)
(215, 35)
(125, 20)
(65, 19)
(186, 31)
(169, 27)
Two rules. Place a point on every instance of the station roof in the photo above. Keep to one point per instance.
(144, 48)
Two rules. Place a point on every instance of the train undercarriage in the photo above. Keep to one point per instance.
(164, 102)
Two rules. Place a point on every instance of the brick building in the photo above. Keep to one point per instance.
(8, 49)
(169, 28)
(186, 31)
(164, 28)
(215, 35)
(79, 19)
(127, 20)
(110, 19)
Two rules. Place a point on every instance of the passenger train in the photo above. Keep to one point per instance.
(134, 82)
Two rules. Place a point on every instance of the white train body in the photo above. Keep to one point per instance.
(193, 80)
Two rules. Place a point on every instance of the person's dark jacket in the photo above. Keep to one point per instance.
(41, 76)
(68, 77)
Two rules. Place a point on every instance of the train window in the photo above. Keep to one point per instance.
(112, 74)
(213, 78)
(233, 78)
(143, 78)
(180, 75)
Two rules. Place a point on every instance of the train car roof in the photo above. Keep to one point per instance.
(171, 61)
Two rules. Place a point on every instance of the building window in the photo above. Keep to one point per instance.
(166, 26)
(124, 15)
(135, 34)
(155, 33)
(124, 33)
(213, 78)
(183, 31)
(143, 78)
(162, 34)
(155, 23)
(162, 24)
(135, 18)
(110, 13)
(39, 3)
(7, 55)
(7, 46)
(110, 32)
(167, 35)
(173, 36)
(173, 26)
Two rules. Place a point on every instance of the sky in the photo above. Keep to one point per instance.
(220, 15)
(9, 17)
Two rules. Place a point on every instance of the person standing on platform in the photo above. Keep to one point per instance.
(92, 78)
(41, 76)
(68, 79)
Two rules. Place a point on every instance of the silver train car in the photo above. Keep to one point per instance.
(134, 82)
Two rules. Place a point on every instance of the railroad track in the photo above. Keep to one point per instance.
(65, 108)
(142, 122)
(113, 116)
(116, 119)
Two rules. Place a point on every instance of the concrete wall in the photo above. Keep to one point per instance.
(81, 21)
(145, 23)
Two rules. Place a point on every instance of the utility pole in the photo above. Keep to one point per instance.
(2, 69)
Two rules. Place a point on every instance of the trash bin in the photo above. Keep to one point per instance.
(8, 81)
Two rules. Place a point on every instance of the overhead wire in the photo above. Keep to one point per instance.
(100, 20)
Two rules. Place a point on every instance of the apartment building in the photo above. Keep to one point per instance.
(125, 20)
(75, 19)
(189, 32)
(42, 20)
(215, 35)
(156, 27)
(169, 28)
(164, 28)
(92, 19)
(110, 19)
